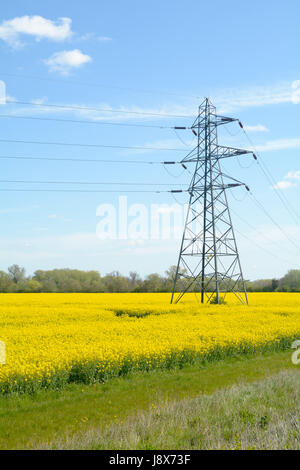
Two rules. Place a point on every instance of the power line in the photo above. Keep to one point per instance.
(77, 121)
(171, 174)
(283, 199)
(175, 128)
(105, 110)
(91, 191)
(101, 85)
(269, 240)
(89, 160)
(262, 165)
(89, 145)
(90, 182)
(260, 205)
(260, 247)
(272, 181)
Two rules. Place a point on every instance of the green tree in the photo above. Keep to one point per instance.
(154, 283)
(6, 282)
(291, 281)
(275, 284)
(16, 273)
(114, 282)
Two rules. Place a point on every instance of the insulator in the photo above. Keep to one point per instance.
(169, 163)
(247, 187)
(179, 128)
(176, 191)
(194, 132)
(254, 156)
(182, 164)
(241, 125)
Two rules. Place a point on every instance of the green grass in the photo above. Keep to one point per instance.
(260, 415)
(48, 415)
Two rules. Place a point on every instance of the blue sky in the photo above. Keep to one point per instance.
(147, 57)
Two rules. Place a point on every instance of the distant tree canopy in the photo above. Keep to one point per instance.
(291, 281)
(68, 280)
(75, 280)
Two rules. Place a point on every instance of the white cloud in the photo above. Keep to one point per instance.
(2, 92)
(267, 235)
(257, 128)
(296, 91)
(86, 37)
(279, 144)
(82, 250)
(64, 61)
(104, 38)
(235, 99)
(96, 111)
(59, 218)
(86, 251)
(93, 36)
(283, 185)
(36, 26)
(41, 101)
(10, 99)
(295, 175)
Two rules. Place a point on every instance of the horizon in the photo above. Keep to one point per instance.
(142, 277)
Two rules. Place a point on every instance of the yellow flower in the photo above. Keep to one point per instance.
(49, 336)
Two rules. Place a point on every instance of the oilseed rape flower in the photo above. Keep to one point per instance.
(55, 339)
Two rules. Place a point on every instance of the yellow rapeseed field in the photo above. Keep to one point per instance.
(54, 339)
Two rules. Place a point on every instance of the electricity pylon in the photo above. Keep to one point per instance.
(209, 261)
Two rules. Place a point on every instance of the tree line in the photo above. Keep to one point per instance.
(74, 280)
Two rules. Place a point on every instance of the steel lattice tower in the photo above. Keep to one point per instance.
(209, 260)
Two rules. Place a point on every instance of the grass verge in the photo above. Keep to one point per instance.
(261, 415)
(49, 416)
